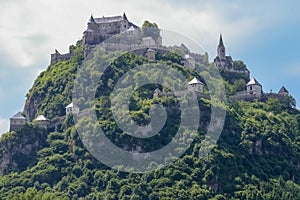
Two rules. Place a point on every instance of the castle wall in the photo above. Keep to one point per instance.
(56, 57)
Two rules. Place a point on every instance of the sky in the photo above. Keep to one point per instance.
(264, 34)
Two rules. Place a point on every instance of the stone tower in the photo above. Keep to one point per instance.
(254, 87)
(221, 48)
(222, 61)
(195, 86)
(100, 29)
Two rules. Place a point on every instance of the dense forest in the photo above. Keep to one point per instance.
(256, 157)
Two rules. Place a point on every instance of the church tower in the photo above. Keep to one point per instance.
(221, 49)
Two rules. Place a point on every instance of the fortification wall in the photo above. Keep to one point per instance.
(56, 57)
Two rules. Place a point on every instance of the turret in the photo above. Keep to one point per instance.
(125, 23)
(195, 86)
(254, 87)
(91, 20)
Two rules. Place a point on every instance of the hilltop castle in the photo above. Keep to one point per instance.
(98, 30)
(118, 33)
(101, 29)
(130, 37)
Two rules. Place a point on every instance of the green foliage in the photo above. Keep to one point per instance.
(256, 157)
(53, 87)
(239, 65)
(150, 30)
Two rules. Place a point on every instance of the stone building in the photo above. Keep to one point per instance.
(222, 61)
(43, 121)
(100, 29)
(150, 54)
(71, 108)
(195, 86)
(17, 121)
(283, 91)
(226, 63)
(189, 62)
(254, 87)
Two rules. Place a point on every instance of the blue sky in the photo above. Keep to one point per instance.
(265, 35)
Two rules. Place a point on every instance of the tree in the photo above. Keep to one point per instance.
(150, 30)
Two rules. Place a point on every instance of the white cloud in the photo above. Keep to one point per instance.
(4, 124)
(30, 30)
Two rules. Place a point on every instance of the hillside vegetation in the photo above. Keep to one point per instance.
(256, 157)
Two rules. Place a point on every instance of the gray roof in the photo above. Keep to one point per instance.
(131, 29)
(283, 90)
(71, 105)
(195, 81)
(18, 116)
(103, 19)
(253, 81)
(41, 118)
(182, 46)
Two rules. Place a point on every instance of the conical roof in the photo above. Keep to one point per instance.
(18, 116)
(253, 81)
(195, 81)
(283, 90)
(91, 19)
(70, 105)
(124, 16)
(221, 41)
(41, 118)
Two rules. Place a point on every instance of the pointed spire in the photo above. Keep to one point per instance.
(221, 48)
(124, 16)
(283, 90)
(221, 40)
(91, 19)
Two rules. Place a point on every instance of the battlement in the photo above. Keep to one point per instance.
(56, 57)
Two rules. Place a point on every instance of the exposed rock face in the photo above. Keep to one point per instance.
(18, 151)
(31, 107)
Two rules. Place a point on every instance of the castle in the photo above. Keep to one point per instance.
(253, 89)
(130, 37)
(223, 62)
(118, 33)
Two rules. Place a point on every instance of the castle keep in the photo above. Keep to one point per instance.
(103, 28)
(100, 29)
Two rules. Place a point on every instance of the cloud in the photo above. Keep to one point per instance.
(30, 30)
(4, 124)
